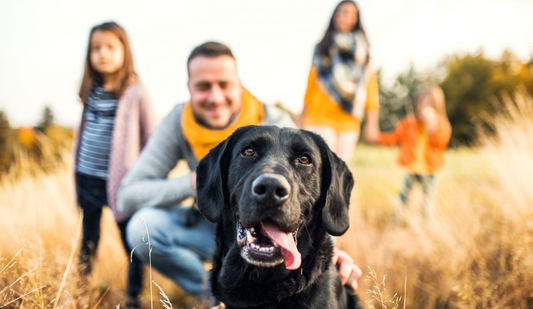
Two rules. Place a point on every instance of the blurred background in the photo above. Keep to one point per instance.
(479, 51)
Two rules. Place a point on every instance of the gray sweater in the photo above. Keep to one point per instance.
(146, 183)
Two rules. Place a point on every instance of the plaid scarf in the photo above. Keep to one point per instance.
(342, 74)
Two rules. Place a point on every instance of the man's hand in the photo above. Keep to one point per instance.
(348, 271)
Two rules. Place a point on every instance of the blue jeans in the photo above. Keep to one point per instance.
(178, 248)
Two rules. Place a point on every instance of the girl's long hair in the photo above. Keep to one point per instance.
(327, 40)
(125, 75)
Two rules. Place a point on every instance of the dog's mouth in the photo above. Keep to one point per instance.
(266, 245)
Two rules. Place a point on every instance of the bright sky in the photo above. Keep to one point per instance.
(43, 43)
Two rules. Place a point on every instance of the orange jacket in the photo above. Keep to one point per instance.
(406, 133)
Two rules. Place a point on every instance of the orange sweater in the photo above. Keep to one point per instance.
(406, 135)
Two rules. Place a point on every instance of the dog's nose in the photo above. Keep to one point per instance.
(271, 189)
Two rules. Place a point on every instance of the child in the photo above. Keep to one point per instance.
(422, 138)
(117, 120)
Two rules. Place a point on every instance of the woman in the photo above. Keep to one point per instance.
(341, 86)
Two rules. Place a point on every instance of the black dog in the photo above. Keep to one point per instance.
(276, 194)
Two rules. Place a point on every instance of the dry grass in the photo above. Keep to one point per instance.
(477, 252)
(39, 221)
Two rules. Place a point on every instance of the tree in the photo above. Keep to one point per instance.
(4, 122)
(47, 119)
(6, 147)
(473, 86)
(396, 101)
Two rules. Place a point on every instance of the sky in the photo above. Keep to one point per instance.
(43, 43)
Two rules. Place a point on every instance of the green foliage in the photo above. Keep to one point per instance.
(473, 87)
(396, 101)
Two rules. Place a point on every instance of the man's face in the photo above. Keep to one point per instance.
(215, 90)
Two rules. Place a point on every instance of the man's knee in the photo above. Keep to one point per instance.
(149, 225)
(137, 233)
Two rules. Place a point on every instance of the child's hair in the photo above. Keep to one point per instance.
(125, 74)
(438, 98)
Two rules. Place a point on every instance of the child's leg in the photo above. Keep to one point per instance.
(404, 194)
(428, 187)
(407, 187)
(92, 196)
(135, 271)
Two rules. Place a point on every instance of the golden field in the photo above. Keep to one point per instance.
(476, 252)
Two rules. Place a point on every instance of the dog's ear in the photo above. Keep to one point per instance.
(337, 185)
(211, 177)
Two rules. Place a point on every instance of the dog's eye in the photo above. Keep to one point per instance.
(304, 159)
(248, 151)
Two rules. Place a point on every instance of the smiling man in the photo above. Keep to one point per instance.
(182, 239)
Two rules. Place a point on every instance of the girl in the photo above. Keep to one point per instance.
(117, 119)
(341, 86)
(422, 138)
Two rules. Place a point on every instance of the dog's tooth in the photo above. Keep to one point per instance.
(249, 237)
(253, 229)
(275, 244)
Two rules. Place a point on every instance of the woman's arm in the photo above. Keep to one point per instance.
(371, 130)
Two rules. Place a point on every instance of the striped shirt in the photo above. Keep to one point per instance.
(96, 138)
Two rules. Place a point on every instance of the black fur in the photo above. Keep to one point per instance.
(317, 205)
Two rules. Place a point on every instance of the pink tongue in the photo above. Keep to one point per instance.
(290, 253)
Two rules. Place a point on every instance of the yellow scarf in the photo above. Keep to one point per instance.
(203, 139)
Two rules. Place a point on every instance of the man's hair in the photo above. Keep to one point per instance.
(209, 50)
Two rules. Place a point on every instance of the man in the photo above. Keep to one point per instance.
(181, 238)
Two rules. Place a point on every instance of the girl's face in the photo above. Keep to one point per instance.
(425, 108)
(107, 52)
(345, 18)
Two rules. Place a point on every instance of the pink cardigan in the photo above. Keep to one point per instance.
(134, 122)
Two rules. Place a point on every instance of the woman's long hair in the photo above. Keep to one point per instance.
(125, 74)
(327, 40)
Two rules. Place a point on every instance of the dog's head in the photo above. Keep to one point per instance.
(271, 183)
